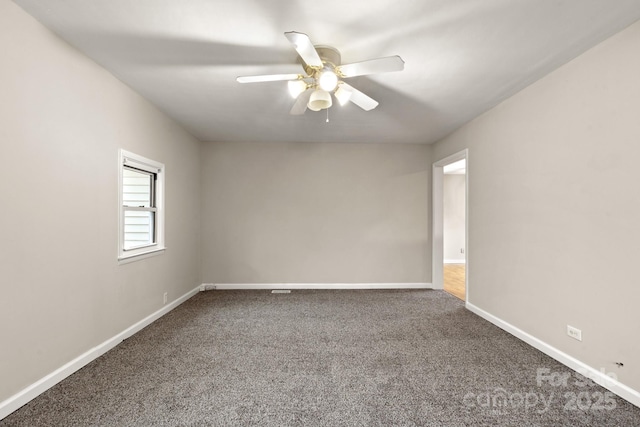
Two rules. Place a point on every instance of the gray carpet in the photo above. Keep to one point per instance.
(323, 358)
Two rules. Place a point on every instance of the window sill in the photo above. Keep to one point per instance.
(125, 259)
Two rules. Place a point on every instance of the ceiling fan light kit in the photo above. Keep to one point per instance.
(322, 65)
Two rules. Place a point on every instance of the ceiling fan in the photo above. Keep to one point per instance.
(323, 76)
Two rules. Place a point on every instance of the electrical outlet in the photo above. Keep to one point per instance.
(164, 298)
(461, 250)
(574, 333)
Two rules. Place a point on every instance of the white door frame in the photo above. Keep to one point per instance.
(437, 278)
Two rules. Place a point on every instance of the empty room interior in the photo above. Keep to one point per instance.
(188, 170)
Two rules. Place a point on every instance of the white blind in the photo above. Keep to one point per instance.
(139, 164)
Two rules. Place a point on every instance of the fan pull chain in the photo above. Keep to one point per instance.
(327, 115)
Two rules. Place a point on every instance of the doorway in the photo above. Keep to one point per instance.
(450, 225)
(453, 226)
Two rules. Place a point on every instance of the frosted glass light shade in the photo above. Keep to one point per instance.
(319, 100)
(343, 95)
(328, 80)
(296, 87)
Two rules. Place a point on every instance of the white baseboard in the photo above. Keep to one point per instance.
(455, 261)
(270, 286)
(598, 376)
(34, 390)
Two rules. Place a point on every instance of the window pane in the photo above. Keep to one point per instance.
(141, 196)
(136, 188)
(138, 228)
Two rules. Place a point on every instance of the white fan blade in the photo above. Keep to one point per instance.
(268, 78)
(305, 48)
(300, 105)
(360, 99)
(372, 66)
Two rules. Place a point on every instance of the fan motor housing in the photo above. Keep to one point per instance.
(328, 55)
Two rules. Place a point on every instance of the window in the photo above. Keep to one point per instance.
(141, 191)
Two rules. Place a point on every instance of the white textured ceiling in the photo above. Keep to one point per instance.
(461, 57)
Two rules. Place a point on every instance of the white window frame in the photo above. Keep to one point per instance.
(127, 158)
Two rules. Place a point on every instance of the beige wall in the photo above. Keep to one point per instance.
(554, 203)
(63, 120)
(316, 213)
